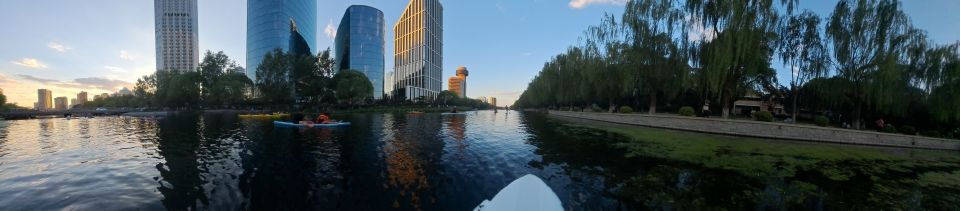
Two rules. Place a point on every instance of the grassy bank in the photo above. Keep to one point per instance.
(890, 175)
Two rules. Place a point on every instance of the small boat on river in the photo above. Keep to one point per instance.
(527, 193)
(295, 125)
(264, 116)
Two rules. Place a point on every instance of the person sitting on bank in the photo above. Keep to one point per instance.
(324, 118)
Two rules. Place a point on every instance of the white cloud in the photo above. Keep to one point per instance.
(126, 55)
(30, 63)
(580, 4)
(115, 69)
(330, 30)
(58, 47)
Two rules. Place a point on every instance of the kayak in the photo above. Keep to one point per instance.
(264, 116)
(295, 125)
(527, 193)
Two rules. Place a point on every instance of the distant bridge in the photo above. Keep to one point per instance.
(28, 114)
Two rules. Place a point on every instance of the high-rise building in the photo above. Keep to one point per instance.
(493, 101)
(73, 102)
(418, 50)
(388, 84)
(288, 25)
(44, 99)
(81, 98)
(60, 103)
(176, 34)
(360, 44)
(458, 84)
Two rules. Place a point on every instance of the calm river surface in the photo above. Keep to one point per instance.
(424, 162)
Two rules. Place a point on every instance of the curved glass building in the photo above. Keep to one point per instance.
(284, 24)
(360, 44)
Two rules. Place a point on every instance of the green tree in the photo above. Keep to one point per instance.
(215, 69)
(3, 99)
(654, 32)
(802, 48)
(273, 83)
(866, 38)
(742, 47)
(352, 87)
(446, 97)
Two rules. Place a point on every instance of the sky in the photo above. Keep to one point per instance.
(101, 46)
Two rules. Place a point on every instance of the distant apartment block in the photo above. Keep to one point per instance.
(458, 84)
(81, 98)
(418, 50)
(60, 103)
(44, 99)
(176, 34)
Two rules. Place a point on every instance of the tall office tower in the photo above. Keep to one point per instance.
(458, 84)
(81, 98)
(288, 25)
(176, 34)
(44, 99)
(60, 103)
(493, 101)
(360, 44)
(418, 50)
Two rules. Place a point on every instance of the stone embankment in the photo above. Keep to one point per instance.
(768, 130)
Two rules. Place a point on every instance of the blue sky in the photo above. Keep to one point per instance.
(99, 46)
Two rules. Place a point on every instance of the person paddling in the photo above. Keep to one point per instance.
(324, 118)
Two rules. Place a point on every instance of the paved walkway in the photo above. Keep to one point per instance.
(768, 130)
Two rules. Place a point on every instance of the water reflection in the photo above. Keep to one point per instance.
(436, 162)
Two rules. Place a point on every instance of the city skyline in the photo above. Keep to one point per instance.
(103, 47)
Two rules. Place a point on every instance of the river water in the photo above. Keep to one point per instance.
(408, 162)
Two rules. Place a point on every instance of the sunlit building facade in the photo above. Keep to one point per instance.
(60, 103)
(418, 50)
(81, 98)
(289, 25)
(360, 44)
(458, 84)
(176, 34)
(44, 99)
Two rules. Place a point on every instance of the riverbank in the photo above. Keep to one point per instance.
(768, 130)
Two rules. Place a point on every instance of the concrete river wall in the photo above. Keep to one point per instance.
(768, 130)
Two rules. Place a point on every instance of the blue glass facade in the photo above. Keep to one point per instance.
(360, 44)
(269, 26)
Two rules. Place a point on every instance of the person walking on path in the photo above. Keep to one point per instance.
(880, 124)
(706, 108)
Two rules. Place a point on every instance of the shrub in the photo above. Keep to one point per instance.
(687, 111)
(821, 121)
(764, 116)
(931, 133)
(889, 129)
(626, 109)
(908, 130)
(596, 108)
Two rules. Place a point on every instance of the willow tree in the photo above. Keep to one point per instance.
(802, 48)
(867, 37)
(654, 30)
(743, 32)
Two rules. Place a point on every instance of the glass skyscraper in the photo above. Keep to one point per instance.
(282, 24)
(360, 44)
(418, 50)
